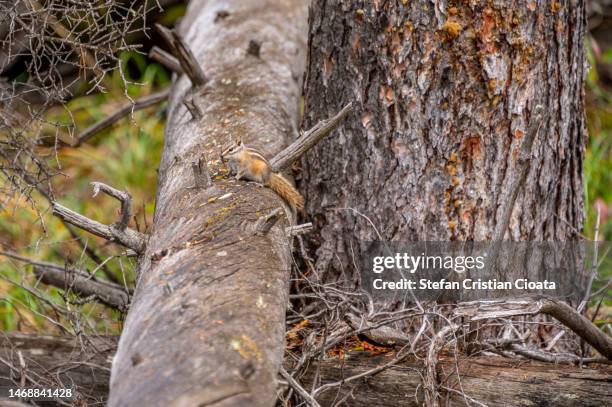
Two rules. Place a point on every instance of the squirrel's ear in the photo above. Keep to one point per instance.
(239, 141)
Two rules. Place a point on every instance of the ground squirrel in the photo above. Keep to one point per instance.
(250, 164)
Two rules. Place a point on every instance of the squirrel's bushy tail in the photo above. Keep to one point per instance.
(285, 190)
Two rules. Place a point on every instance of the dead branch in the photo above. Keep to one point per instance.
(401, 356)
(308, 140)
(166, 59)
(139, 104)
(122, 196)
(384, 335)
(82, 284)
(128, 237)
(430, 381)
(91, 253)
(478, 310)
(182, 52)
(310, 400)
(553, 357)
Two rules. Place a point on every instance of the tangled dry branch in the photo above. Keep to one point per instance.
(51, 51)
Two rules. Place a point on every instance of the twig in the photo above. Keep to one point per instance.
(565, 314)
(166, 59)
(110, 294)
(91, 253)
(589, 287)
(308, 140)
(53, 266)
(554, 340)
(398, 358)
(430, 381)
(310, 400)
(183, 53)
(417, 337)
(68, 36)
(15, 256)
(139, 104)
(552, 357)
(462, 394)
(122, 196)
(84, 246)
(22, 370)
(128, 237)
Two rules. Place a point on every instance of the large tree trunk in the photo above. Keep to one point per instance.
(206, 324)
(446, 94)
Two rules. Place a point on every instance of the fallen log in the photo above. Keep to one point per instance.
(492, 381)
(207, 321)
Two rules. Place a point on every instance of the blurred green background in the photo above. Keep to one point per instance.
(124, 156)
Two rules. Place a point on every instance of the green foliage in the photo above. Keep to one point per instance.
(123, 156)
(598, 159)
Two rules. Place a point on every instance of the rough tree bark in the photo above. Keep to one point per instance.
(206, 324)
(445, 95)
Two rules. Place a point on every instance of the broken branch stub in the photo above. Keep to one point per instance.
(122, 196)
(185, 56)
(308, 140)
(166, 59)
(201, 175)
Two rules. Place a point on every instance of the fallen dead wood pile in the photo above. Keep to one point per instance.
(60, 361)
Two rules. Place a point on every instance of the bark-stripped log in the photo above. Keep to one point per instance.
(206, 325)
